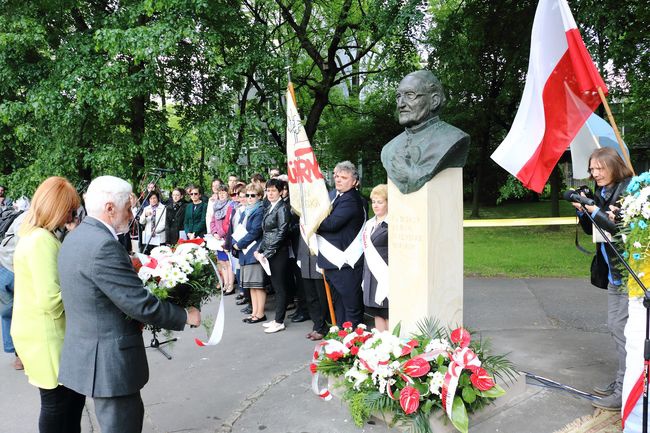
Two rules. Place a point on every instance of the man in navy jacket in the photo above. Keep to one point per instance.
(339, 243)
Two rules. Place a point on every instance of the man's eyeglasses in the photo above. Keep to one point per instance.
(409, 96)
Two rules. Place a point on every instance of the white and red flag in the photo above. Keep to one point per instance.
(307, 189)
(561, 92)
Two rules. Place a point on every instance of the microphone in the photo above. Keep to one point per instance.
(164, 170)
(572, 196)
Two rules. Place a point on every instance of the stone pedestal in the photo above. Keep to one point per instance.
(425, 247)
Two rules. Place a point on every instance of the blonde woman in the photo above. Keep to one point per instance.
(375, 267)
(38, 323)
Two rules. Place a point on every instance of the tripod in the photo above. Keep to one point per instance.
(646, 304)
(155, 344)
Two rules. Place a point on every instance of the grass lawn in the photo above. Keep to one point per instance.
(518, 252)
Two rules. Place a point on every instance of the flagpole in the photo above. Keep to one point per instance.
(328, 291)
(610, 116)
(330, 304)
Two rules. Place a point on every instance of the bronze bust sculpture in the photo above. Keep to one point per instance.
(428, 145)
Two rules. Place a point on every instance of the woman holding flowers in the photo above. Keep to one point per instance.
(247, 239)
(612, 176)
(375, 268)
(38, 322)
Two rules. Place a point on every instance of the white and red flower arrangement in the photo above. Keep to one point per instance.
(410, 378)
(184, 274)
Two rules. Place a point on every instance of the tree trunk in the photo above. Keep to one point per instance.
(555, 192)
(320, 102)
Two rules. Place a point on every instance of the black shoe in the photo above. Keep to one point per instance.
(294, 314)
(232, 292)
(257, 319)
(242, 301)
(240, 296)
(297, 318)
(291, 306)
(247, 310)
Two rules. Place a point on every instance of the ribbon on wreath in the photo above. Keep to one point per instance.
(323, 393)
(217, 329)
(462, 358)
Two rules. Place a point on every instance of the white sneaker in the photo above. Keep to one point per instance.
(275, 327)
(267, 324)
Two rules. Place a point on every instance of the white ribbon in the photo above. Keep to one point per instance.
(339, 258)
(217, 330)
(323, 393)
(461, 358)
(378, 267)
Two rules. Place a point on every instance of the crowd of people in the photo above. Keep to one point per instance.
(68, 315)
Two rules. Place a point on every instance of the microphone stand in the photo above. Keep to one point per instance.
(646, 305)
(155, 344)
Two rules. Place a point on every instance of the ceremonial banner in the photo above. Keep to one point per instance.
(307, 190)
(561, 92)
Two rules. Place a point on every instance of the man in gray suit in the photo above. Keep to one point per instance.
(103, 352)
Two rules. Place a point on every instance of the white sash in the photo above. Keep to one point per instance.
(378, 267)
(339, 258)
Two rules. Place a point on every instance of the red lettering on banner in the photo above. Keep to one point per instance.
(303, 170)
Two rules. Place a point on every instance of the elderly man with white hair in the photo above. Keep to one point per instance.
(103, 354)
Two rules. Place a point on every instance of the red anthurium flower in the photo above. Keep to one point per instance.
(137, 264)
(413, 343)
(409, 399)
(354, 350)
(416, 367)
(334, 356)
(461, 336)
(313, 367)
(153, 263)
(481, 379)
(342, 333)
(197, 241)
(347, 324)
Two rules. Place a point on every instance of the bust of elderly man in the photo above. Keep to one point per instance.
(428, 145)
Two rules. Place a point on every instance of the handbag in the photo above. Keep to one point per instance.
(599, 271)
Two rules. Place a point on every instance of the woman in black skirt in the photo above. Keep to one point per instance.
(375, 266)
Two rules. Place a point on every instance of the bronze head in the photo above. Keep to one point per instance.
(419, 98)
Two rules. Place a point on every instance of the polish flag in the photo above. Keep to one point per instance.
(559, 95)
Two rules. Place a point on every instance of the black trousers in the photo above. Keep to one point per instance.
(345, 284)
(316, 300)
(280, 272)
(61, 410)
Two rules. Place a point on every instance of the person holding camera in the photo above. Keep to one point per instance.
(612, 176)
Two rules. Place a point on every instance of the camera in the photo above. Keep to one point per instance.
(584, 189)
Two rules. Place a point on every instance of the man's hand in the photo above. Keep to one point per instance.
(193, 317)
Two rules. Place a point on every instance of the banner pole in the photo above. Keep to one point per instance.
(612, 122)
(329, 299)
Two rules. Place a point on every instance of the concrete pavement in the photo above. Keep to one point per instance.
(254, 382)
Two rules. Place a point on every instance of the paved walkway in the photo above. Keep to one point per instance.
(254, 382)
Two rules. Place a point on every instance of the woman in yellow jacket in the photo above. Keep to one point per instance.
(38, 323)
